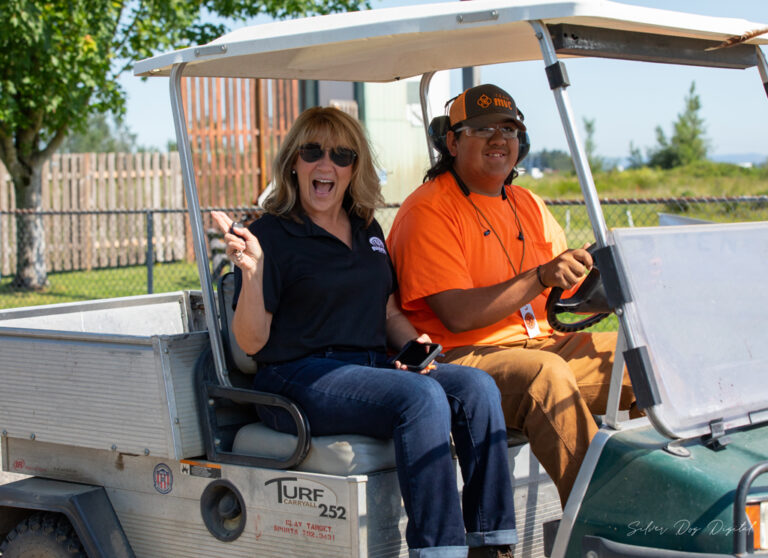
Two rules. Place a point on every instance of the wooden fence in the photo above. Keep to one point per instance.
(235, 127)
(76, 184)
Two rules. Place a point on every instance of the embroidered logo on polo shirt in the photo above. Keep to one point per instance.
(377, 244)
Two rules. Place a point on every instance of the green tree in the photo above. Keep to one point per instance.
(554, 159)
(99, 136)
(688, 143)
(59, 63)
(636, 159)
(596, 162)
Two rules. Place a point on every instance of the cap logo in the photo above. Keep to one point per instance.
(484, 101)
(483, 105)
(502, 102)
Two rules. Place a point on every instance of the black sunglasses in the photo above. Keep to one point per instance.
(341, 156)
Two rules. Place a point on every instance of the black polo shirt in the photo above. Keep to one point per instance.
(320, 292)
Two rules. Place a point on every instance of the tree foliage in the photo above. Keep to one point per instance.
(688, 143)
(553, 159)
(100, 136)
(596, 162)
(635, 159)
(60, 63)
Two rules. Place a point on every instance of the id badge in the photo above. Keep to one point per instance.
(530, 321)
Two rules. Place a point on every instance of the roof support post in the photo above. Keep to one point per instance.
(426, 79)
(578, 153)
(762, 67)
(558, 82)
(196, 224)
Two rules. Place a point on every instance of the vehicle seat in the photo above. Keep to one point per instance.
(240, 366)
(335, 455)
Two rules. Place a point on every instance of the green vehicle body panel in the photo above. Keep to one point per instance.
(642, 495)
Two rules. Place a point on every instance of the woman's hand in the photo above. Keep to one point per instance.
(251, 323)
(243, 248)
(400, 331)
(423, 338)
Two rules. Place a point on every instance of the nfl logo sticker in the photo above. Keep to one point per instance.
(163, 478)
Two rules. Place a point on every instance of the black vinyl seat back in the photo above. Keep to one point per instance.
(239, 363)
(224, 410)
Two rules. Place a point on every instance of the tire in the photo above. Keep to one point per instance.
(43, 535)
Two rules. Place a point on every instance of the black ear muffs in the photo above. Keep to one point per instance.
(523, 141)
(438, 129)
(439, 126)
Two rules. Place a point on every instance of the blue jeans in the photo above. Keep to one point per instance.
(359, 393)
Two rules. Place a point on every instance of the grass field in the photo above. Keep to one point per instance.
(74, 286)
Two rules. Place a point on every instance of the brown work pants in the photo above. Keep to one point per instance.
(549, 388)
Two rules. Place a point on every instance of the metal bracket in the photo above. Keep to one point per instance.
(210, 50)
(640, 372)
(557, 75)
(675, 448)
(477, 17)
(717, 440)
(582, 40)
(616, 290)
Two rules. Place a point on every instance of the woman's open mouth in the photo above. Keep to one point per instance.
(322, 186)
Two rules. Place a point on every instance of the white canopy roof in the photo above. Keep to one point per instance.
(392, 43)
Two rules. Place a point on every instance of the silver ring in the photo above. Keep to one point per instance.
(238, 255)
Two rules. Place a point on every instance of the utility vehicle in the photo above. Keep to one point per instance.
(132, 417)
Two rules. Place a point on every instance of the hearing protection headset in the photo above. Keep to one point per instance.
(439, 126)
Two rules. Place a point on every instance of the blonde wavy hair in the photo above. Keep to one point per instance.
(329, 127)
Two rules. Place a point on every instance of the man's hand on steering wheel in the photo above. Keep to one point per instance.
(589, 298)
(566, 270)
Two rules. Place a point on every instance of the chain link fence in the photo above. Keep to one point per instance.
(95, 254)
(639, 212)
(106, 254)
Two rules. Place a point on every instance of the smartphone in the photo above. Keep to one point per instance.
(417, 356)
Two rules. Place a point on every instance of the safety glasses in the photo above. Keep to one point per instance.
(507, 132)
(340, 156)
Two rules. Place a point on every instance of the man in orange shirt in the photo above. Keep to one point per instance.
(475, 258)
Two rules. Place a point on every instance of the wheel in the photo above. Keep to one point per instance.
(589, 298)
(43, 535)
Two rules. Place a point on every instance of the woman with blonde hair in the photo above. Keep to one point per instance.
(316, 308)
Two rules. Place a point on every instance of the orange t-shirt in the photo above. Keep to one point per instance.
(438, 243)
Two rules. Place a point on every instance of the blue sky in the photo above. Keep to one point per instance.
(627, 100)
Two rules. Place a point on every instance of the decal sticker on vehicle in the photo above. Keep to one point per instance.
(196, 469)
(163, 478)
(304, 493)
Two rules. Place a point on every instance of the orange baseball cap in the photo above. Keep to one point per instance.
(482, 105)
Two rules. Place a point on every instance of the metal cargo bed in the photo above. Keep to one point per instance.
(83, 374)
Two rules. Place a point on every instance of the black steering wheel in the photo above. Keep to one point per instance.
(589, 298)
